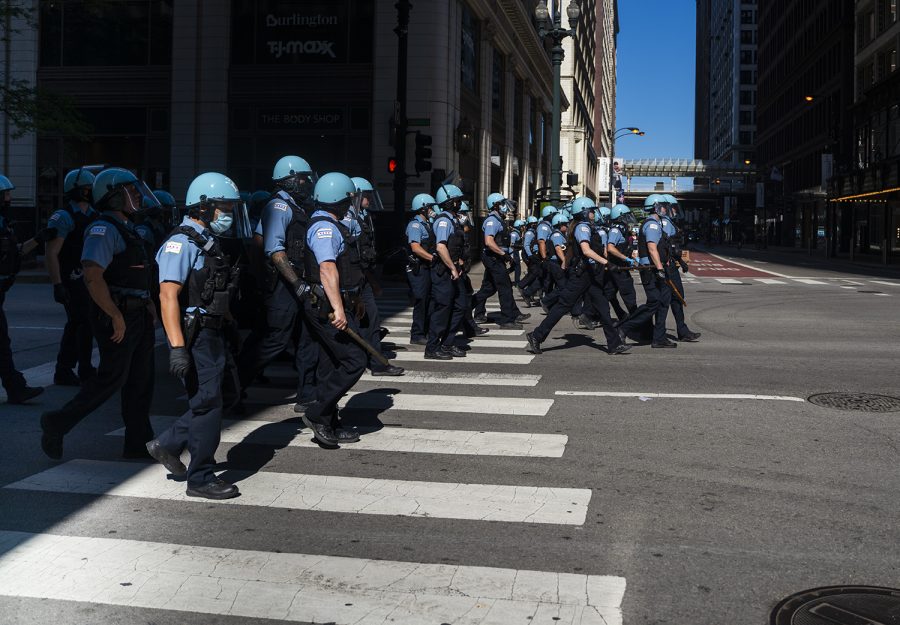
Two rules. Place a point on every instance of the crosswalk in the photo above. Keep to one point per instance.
(843, 283)
(429, 411)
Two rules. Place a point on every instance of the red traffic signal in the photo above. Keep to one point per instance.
(392, 165)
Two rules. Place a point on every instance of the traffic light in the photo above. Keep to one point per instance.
(392, 165)
(423, 152)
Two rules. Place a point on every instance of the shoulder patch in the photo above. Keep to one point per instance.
(98, 230)
(280, 206)
(443, 223)
(173, 247)
(653, 226)
(416, 225)
(324, 233)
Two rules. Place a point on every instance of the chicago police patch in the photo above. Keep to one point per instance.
(98, 230)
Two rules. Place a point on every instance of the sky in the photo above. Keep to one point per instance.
(655, 91)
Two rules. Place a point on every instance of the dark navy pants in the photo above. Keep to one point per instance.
(657, 307)
(77, 341)
(13, 381)
(448, 298)
(274, 335)
(624, 284)
(370, 328)
(200, 428)
(675, 304)
(496, 280)
(580, 285)
(533, 280)
(556, 282)
(420, 287)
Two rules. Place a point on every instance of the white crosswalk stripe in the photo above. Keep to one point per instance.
(356, 401)
(396, 328)
(808, 281)
(474, 379)
(297, 587)
(471, 358)
(770, 281)
(728, 281)
(329, 493)
(884, 282)
(480, 341)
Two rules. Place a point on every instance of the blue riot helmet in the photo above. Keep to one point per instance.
(604, 213)
(548, 211)
(583, 206)
(496, 201)
(117, 189)
(368, 198)
(169, 208)
(6, 186)
(422, 203)
(531, 219)
(258, 201)
(334, 193)
(215, 200)
(518, 223)
(673, 211)
(560, 219)
(449, 197)
(654, 204)
(77, 185)
(622, 214)
(463, 207)
(294, 175)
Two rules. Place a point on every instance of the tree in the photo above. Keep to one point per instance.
(27, 107)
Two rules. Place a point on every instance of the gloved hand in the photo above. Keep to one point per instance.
(660, 274)
(301, 290)
(630, 262)
(179, 361)
(61, 294)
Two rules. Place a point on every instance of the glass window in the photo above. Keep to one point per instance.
(468, 66)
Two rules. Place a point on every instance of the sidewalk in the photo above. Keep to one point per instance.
(800, 258)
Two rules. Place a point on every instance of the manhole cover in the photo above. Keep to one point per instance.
(840, 605)
(862, 402)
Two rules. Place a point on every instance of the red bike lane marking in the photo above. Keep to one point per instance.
(705, 266)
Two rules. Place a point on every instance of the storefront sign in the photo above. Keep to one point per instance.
(301, 119)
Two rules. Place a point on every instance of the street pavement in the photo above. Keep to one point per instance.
(694, 485)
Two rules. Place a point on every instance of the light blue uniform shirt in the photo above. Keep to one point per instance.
(583, 232)
(416, 232)
(63, 222)
(178, 256)
(102, 241)
(514, 238)
(653, 232)
(276, 217)
(324, 239)
(529, 245)
(615, 236)
(668, 226)
(444, 226)
(352, 222)
(544, 230)
(556, 238)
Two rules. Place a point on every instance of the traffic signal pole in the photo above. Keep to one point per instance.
(402, 31)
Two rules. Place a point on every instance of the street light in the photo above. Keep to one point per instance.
(613, 135)
(554, 30)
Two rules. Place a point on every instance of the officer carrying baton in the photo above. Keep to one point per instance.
(359, 341)
(676, 292)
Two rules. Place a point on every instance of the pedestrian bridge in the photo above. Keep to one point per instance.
(685, 168)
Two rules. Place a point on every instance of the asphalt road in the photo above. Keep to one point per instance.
(704, 509)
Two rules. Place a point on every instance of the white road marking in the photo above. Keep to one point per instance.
(328, 493)
(769, 281)
(405, 306)
(398, 439)
(470, 358)
(297, 587)
(395, 329)
(850, 282)
(445, 403)
(882, 294)
(479, 342)
(848, 287)
(474, 379)
(884, 282)
(734, 262)
(808, 281)
(728, 281)
(679, 395)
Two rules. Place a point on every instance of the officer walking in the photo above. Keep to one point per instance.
(17, 389)
(448, 295)
(420, 251)
(495, 256)
(585, 280)
(557, 263)
(531, 283)
(192, 258)
(515, 246)
(334, 273)
(283, 229)
(545, 250)
(685, 334)
(117, 274)
(619, 252)
(654, 252)
(63, 258)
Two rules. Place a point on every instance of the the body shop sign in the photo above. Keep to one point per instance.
(294, 31)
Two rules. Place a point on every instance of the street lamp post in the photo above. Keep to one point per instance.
(554, 30)
(613, 136)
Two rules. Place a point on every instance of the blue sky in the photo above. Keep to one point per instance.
(656, 77)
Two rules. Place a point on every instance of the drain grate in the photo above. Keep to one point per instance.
(861, 402)
(856, 605)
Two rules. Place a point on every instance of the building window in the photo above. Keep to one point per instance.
(748, 17)
(747, 98)
(497, 83)
(748, 57)
(468, 66)
(747, 77)
(748, 37)
(124, 32)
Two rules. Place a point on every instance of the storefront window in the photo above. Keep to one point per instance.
(468, 66)
(77, 33)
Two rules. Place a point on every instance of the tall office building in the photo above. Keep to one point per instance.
(701, 85)
(605, 85)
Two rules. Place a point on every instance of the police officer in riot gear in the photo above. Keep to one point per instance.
(169, 215)
(359, 222)
(531, 283)
(448, 295)
(17, 389)
(545, 251)
(618, 251)
(685, 334)
(654, 249)
(420, 253)
(556, 262)
(496, 257)
(585, 280)
(63, 259)
(335, 277)
(192, 260)
(117, 273)
(515, 246)
(283, 228)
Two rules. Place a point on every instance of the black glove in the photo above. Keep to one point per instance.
(301, 290)
(179, 361)
(61, 294)
(660, 274)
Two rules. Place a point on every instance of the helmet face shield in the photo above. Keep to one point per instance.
(139, 198)
(240, 221)
(371, 202)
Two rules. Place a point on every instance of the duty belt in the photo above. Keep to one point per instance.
(130, 303)
(213, 322)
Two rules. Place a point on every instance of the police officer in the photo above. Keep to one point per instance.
(684, 333)
(191, 259)
(283, 228)
(654, 252)
(515, 246)
(585, 280)
(17, 389)
(334, 273)
(420, 252)
(545, 251)
(496, 257)
(151, 223)
(63, 258)
(448, 295)
(557, 263)
(169, 215)
(117, 274)
(531, 283)
(618, 251)
(603, 224)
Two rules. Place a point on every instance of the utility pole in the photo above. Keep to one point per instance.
(402, 31)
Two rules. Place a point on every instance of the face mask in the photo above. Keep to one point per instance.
(221, 223)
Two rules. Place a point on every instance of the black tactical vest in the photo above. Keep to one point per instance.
(213, 286)
(662, 247)
(502, 237)
(366, 241)
(73, 244)
(132, 268)
(295, 234)
(349, 263)
(9, 251)
(456, 242)
(427, 244)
